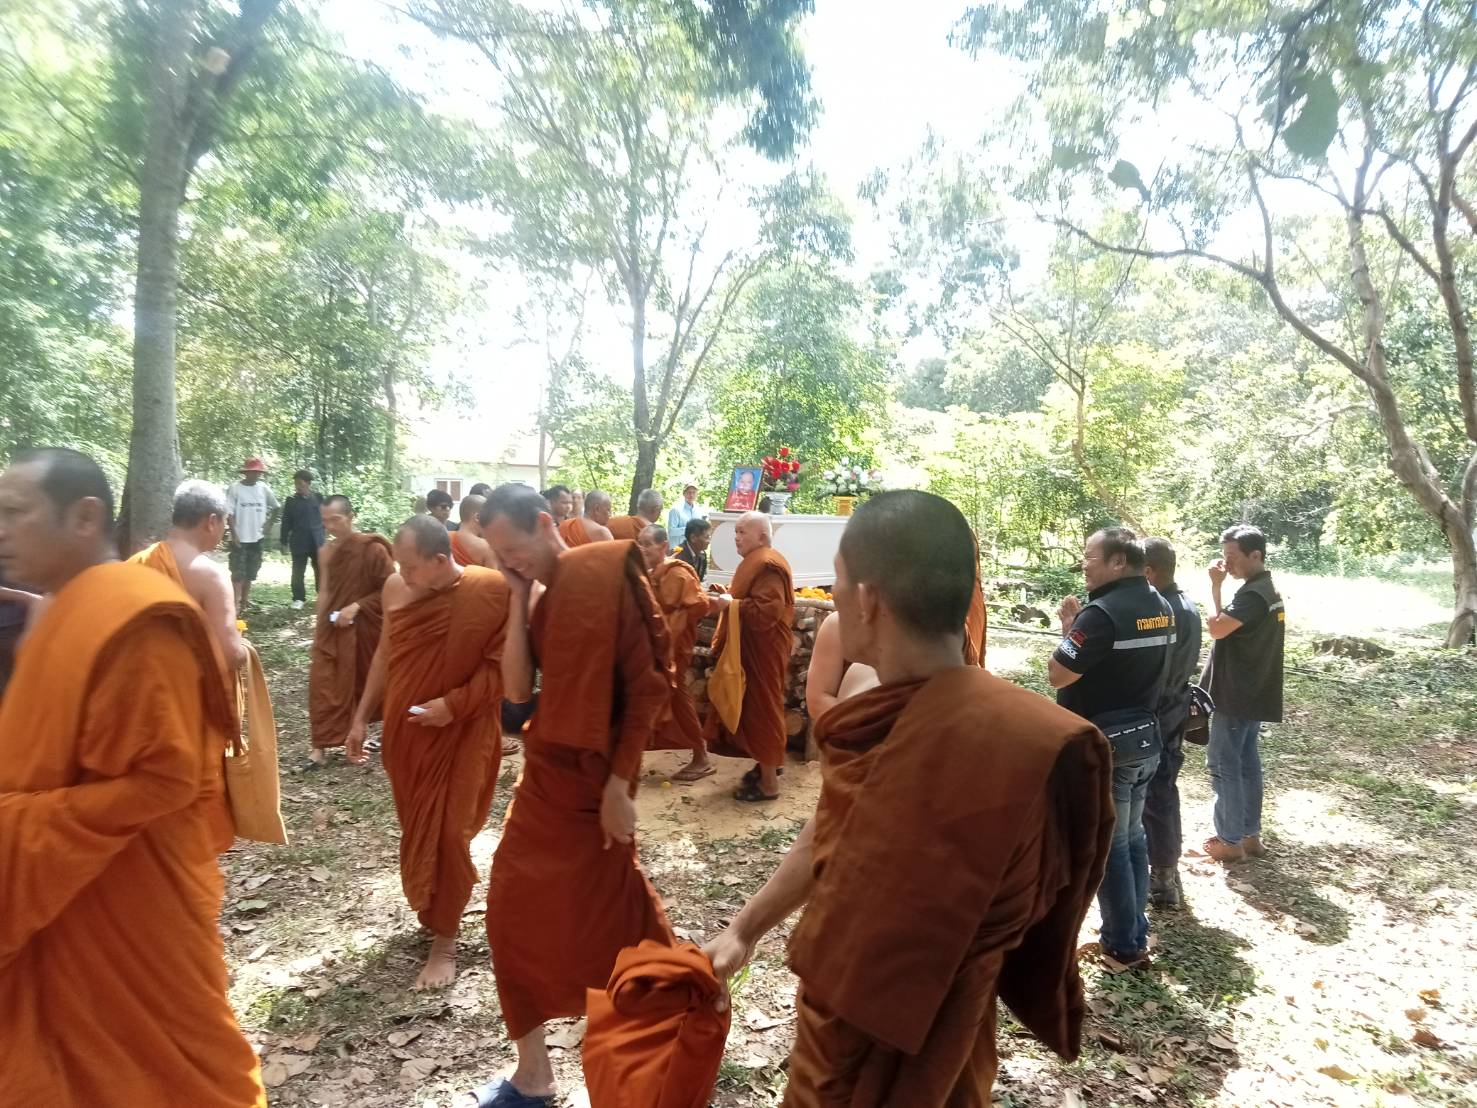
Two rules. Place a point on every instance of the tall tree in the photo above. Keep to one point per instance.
(1369, 108)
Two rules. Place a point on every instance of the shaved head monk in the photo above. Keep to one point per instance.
(680, 596)
(112, 813)
(961, 832)
(560, 501)
(762, 587)
(196, 528)
(468, 547)
(437, 673)
(566, 892)
(648, 512)
(579, 530)
(353, 568)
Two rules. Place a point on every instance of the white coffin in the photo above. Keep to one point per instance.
(809, 544)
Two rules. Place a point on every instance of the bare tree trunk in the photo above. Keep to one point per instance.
(153, 448)
(646, 447)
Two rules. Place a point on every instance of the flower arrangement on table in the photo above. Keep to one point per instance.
(849, 480)
(781, 472)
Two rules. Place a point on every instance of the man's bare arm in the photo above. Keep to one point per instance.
(1059, 676)
(517, 648)
(212, 591)
(786, 891)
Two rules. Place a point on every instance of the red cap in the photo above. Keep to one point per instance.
(253, 465)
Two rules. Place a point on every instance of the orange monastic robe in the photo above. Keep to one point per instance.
(560, 906)
(763, 586)
(628, 528)
(448, 645)
(680, 596)
(112, 974)
(901, 953)
(976, 623)
(573, 532)
(354, 573)
(160, 556)
(464, 553)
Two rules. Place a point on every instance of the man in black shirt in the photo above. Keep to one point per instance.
(1246, 684)
(694, 548)
(439, 504)
(302, 533)
(1162, 801)
(1109, 668)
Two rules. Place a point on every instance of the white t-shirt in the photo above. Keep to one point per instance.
(250, 505)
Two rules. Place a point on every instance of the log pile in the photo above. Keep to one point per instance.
(809, 615)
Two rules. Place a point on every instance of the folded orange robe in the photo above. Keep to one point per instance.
(655, 1036)
(465, 553)
(680, 596)
(573, 532)
(160, 556)
(628, 528)
(766, 638)
(447, 645)
(112, 974)
(961, 833)
(560, 906)
(354, 573)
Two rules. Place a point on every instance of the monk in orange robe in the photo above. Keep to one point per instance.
(962, 831)
(197, 525)
(437, 672)
(578, 532)
(763, 585)
(468, 547)
(648, 513)
(112, 812)
(566, 892)
(353, 568)
(684, 604)
(976, 623)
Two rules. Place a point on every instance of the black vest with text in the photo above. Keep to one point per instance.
(1132, 673)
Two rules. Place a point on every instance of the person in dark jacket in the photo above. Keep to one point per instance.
(1162, 801)
(302, 533)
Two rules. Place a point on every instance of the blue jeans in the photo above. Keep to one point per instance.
(1124, 892)
(1235, 764)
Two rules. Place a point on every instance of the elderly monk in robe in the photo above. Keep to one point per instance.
(438, 674)
(579, 530)
(197, 526)
(648, 513)
(684, 604)
(566, 893)
(468, 547)
(112, 975)
(762, 584)
(353, 568)
(962, 830)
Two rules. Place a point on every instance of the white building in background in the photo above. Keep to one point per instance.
(452, 453)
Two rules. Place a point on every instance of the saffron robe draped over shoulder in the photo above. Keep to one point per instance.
(655, 1037)
(627, 528)
(446, 645)
(560, 906)
(112, 812)
(903, 948)
(976, 623)
(464, 553)
(763, 585)
(680, 596)
(355, 573)
(160, 556)
(574, 533)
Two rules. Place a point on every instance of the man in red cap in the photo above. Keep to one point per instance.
(253, 508)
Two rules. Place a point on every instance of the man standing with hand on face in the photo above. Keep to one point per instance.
(567, 892)
(438, 673)
(1245, 681)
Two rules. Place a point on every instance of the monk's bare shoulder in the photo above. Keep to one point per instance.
(598, 533)
(203, 575)
(396, 593)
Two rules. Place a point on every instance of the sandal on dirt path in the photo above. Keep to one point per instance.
(752, 777)
(502, 1093)
(687, 775)
(750, 793)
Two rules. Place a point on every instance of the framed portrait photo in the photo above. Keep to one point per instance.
(743, 489)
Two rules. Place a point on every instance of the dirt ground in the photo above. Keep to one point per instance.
(1337, 971)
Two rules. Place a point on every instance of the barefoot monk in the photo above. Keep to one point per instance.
(438, 673)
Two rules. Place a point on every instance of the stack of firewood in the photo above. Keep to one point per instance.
(809, 615)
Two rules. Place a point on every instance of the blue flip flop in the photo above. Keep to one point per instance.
(503, 1094)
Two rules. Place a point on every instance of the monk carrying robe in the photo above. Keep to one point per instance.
(683, 603)
(112, 813)
(962, 831)
(354, 566)
(437, 671)
(468, 547)
(578, 532)
(762, 585)
(566, 892)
